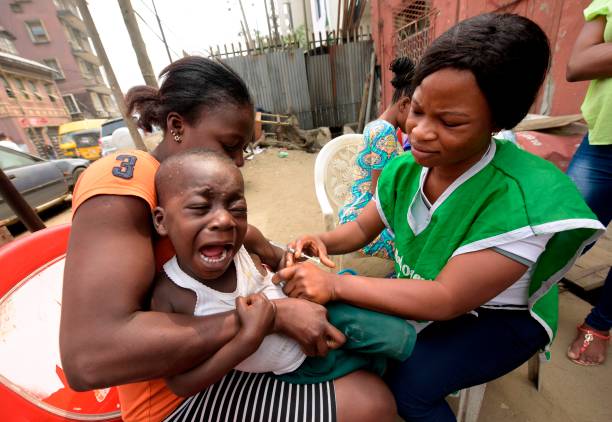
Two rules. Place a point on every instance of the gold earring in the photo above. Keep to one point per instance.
(177, 137)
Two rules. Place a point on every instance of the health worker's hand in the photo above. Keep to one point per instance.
(309, 244)
(306, 322)
(256, 314)
(307, 281)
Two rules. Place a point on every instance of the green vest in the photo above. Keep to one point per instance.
(510, 196)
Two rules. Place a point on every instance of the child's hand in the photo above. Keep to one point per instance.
(308, 244)
(256, 313)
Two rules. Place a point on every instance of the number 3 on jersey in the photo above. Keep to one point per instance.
(125, 169)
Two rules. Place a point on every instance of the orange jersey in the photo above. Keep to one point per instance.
(131, 173)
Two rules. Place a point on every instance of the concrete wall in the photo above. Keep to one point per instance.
(560, 19)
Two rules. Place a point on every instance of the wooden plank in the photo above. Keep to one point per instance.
(5, 235)
(537, 122)
(591, 269)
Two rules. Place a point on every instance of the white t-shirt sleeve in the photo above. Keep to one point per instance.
(529, 249)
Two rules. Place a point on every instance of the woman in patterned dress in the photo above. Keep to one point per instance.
(380, 146)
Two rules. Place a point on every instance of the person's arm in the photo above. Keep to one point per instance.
(591, 56)
(375, 175)
(105, 336)
(256, 243)
(345, 238)
(256, 314)
(466, 282)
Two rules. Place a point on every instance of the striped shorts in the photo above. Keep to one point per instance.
(249, 397)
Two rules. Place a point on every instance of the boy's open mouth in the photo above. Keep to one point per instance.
(214, 254)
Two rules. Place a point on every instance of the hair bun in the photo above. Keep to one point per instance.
(146, 101)
(403, 70)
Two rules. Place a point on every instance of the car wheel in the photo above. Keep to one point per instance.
(76, 174)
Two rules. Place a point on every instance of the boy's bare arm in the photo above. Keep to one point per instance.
(160, 297)
(256, 315)
(256, 243)
(215, 368)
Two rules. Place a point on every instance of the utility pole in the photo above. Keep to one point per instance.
(274, 21)
(246, 26)
(95, 37)
(18, 204)
(306, 24)
(137, 42)
(161, 29)
(268, 22)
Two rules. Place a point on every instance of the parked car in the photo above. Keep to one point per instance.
(43, 183)
(115, 136)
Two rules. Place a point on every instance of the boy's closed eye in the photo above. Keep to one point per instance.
(199, 207)
(238, 210)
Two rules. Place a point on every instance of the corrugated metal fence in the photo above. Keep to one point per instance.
(320, 89)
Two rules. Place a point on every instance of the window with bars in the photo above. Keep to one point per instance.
(97, 103)
(414, 28)
(84, 69)
(16, 7)
(71, 104)
(55, 65)
(51, 92)
(34, 89)
(7, 87)
(37, 31)
(7, 45)
(411, 12)
(21, 88)
(109, 104)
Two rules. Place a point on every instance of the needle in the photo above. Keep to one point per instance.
(303, 255)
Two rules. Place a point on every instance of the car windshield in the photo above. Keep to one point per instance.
(11, 159)
(109, 127)
(83, 140)
(66, 138)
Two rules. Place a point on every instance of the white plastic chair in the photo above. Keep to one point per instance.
(334, 174)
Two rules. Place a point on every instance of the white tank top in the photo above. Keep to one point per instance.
(277, 353)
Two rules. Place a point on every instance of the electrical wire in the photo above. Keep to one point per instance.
(166, 27)
(155, 33)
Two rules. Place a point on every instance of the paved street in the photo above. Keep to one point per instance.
(59, 214)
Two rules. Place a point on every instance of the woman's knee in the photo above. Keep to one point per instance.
(363, 396)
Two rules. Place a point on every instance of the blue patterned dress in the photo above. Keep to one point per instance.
(379, 148)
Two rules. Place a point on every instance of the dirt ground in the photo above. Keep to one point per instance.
(282, 204)
(280, 194)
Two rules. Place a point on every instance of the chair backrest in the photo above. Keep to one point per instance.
(32, 382)
(335, 172)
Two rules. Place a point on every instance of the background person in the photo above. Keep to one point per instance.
(107, 334)
(591, 167)
(380, 147)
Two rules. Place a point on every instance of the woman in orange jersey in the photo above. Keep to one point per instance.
(109, 337)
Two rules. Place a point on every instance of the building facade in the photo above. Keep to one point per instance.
(322, 15)
(31, 107)
(561, 20)
(53, 33)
